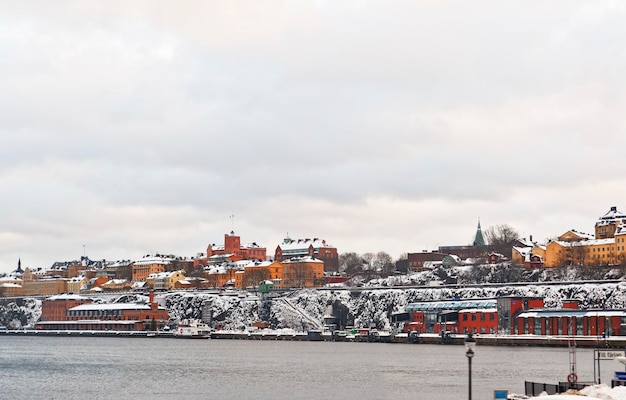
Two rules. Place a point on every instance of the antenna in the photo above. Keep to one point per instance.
(232, 222)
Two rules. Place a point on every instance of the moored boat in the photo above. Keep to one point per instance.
(192, 329)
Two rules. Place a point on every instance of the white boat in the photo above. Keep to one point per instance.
(192, 329)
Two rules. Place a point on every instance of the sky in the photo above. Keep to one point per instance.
(143, 127)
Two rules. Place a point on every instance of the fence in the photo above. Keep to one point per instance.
(536, 388)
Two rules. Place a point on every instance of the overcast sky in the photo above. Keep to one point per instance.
(135, 127)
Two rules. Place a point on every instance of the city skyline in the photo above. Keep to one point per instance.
(138, 128)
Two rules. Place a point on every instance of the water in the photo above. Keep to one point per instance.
(151, 368)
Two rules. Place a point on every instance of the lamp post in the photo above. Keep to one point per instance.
(470, 345)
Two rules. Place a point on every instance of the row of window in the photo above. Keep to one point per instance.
(483, 317)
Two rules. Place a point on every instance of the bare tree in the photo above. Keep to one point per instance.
(368, 259)
(501, 239)
(384, 263)
(350, 263)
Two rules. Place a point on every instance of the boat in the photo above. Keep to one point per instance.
(193, 329)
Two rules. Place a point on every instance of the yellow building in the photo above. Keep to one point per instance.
(608, 247)
(596, 252)
(76, 283)
(607, 225)
(167, 280)
(44, 287)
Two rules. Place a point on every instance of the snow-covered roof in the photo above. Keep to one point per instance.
(68, 296)
(148, 260)
(452, 305)
(303, 259)
(10, 279)
(593, 242)
(115, 282)
(522, 250)
(477, 310)
(164, 275)
(610, 217)
(10, 285)
(302, 245)
(111, 306)
(581, 235)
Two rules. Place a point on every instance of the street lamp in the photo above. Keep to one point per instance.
(470, 345)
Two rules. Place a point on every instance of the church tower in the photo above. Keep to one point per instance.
(479, 240)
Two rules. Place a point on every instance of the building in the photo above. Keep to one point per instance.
(116, 285)
(607, 247)
(296, 272)
(150, 265)
(528, 257)
(301, 272)
(419, 261)
(231, 250)
(55, 308)
(167, 280)
(8, 289)
(478, 249)
(317, 248)
(607, 225)
(44, 287)
(110, 316)
(468, 316)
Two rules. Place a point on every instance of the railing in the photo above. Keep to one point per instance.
(536, 388)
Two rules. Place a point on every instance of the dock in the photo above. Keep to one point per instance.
(613, 342)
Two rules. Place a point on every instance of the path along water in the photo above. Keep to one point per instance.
(152, 368)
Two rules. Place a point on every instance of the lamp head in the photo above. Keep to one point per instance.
(470, 345)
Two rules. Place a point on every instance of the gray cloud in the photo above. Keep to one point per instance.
(139, 127)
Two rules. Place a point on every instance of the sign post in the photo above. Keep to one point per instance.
(603, 355)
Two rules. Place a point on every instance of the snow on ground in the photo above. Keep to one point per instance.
(597, 392)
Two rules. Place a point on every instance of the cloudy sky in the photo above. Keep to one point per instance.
(134, 127)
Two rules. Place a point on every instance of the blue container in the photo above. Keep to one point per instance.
(620, 375)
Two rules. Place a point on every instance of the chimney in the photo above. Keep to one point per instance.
(614, 209)
(153, 305)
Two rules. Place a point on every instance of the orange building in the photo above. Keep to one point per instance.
(293, 273)
(300, 272)
(8, 289)
(317, 248)
(150, 265)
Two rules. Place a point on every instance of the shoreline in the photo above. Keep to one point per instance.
(614, 342)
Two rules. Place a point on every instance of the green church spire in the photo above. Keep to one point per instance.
(479, 241)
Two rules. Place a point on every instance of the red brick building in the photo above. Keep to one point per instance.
(107, 316)
(231, 250)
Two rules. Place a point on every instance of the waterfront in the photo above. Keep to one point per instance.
(147, 368)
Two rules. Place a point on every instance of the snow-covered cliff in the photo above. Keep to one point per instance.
(305, 309)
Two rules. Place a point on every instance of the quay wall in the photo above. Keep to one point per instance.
(614, 342)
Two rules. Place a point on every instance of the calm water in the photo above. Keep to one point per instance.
(150, 368)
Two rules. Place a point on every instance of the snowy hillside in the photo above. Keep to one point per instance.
(305, 309)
